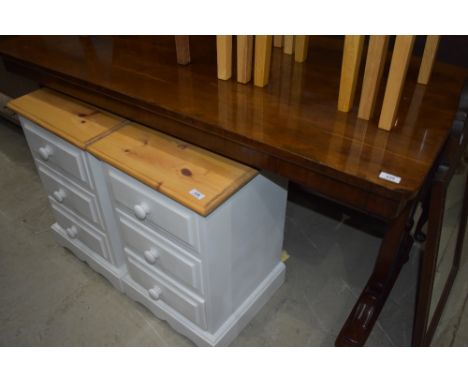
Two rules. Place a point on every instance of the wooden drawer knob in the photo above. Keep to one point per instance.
(72, 231)
(151, 255)
(45, 152)
(141, 211)
(59, 195)
(155, 293)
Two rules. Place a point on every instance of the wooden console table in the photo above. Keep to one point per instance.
(290, 127)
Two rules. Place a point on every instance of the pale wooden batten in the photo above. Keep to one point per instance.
(396, 80)
(262, 60)
(288, 44)
(429, 55)
(301, 48)
(182, 50)
(224, 56)
(375, 62)
(244, 58)
(349, 71)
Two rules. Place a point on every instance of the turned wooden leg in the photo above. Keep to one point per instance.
(393, 254)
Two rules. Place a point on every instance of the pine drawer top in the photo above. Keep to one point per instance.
(70, 119)
(194, 177)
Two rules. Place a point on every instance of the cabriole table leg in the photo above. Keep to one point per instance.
(393, 254)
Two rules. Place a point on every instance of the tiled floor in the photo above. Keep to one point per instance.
(49, 297)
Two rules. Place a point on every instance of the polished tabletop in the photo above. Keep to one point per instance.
(291, 127)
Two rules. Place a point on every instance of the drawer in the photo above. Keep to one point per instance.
(160, 291)
(75, 198)
(149, 206)
(56, 152)
(81, 232)
(158, 252)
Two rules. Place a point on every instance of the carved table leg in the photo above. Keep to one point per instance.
(393, 254)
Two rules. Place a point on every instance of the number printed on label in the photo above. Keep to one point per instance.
(390, 177)
(197, 194)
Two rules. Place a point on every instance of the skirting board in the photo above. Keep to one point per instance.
(233, 325)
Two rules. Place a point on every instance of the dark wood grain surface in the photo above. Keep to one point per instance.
(290, 127)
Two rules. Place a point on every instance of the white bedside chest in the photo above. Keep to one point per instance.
(193, 236)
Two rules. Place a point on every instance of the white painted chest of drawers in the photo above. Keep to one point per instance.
(79, 200)
(206, 275)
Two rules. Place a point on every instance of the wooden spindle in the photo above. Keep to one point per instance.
(349, 71)
(262, 60)
(224, 55)
(375, 64)
(244, 58)
(182, 50)
(278, 41)
(301, 48)
(396, 79)
(430, 51)
(288, 44)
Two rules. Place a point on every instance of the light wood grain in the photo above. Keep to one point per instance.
(301, 48)
(182, 50)
(396, 79)
(244, 58)
(262, 60)
(224, 55)
(351, 62)
(288, 44)
(375, 63)
(430, 51)
(278, 41)
(70, 119)
(172, 167)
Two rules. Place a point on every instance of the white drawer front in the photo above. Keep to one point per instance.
(78, 200)
(89, 237)
(158, 252)
(55, 151)
(148, 205)
(159, 290)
